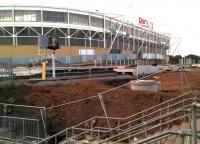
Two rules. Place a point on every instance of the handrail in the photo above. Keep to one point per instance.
(165, 134)
(126, 118)
(185, 94)
(147, 123)
(154, 112)
(141, 111)
(137, 133)
(153, 127)
(141, 125)
(27, 106)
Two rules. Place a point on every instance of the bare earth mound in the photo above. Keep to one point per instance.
(121, 102)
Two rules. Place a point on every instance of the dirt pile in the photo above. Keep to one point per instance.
(119, 103)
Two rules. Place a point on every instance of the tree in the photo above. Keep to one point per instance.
(174, 59)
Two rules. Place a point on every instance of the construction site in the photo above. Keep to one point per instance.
(71, 76)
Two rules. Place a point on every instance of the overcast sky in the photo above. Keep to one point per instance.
(180, 18)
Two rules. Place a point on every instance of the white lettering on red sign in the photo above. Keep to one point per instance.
(145, 23)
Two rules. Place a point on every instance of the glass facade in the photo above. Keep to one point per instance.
(80, 36)
(27, 16)
(96, 22)
(107, 24)
(51, 16)
(5, 16)
(78, 19)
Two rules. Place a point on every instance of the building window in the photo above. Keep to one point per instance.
(51, 16)
(78, 19)
(27, 15)
(5, 16)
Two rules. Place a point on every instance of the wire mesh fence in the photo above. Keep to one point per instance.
(6, 67)
(22, 122)
(30, 60)
(14, 128)
(14, 68)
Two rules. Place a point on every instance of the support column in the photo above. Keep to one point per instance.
(110, 38)
(68, 29)
(133, 40)
(14, 36)
(41, 12)
(90, 30)
(118, 46)
(13, 20)
(104, 32)
(156, 47)
(123, 37)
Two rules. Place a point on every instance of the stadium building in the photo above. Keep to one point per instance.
(80, 33)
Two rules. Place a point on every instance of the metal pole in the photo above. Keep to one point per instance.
(91, 127)
(129, 134)
(104, 110)
(128, 60)
(104, 31)
(5, 109)
(38, 130)
(53, 65)
(194, 125)
(160, 120)
(9, 127)
(145, 128)
(181, 135)
(190, 126)
(181, 64)
(111, 61)
(90, 42)
(23, 128)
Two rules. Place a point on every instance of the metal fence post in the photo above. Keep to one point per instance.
(55, 139)
(111, 61)
(181, 135)
(128, 60)
(168, 110)
(38, 130)
(5, 110)
(129, 135)
(23, 128)
(160, 120)
(190, 124)
(66, 134)
(101, 61)
(9, 128)
(91, 127)
(194, 125)
(145, 128)
(118, 130)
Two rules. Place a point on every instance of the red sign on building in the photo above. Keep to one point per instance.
(146, 23)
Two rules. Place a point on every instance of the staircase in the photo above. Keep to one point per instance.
(166, 123)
